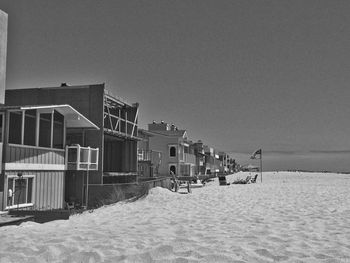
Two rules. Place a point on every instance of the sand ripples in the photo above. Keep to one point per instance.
(290, 217)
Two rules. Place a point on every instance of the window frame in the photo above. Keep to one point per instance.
(2, 127)
(176, 149)
(37, 128)
(175, 165)
(23, 205)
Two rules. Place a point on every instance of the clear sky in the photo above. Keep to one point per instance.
(239, 75)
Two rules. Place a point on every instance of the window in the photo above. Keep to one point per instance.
(51, 128)
(45, 130)
(74, 136)
(1, 126)
(29, 127)
(58, 130)
(15, 127)
(19, 191)
(186, 149)
(172, 169)
(172, 151)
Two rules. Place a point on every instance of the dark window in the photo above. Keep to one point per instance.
(29, 127)
(58, 130)
(21, 191)
(30, 190)
(186, 149)
(173, 169)
(15, 127)
(1, 127)
(45, 130)
(74, 136)
(172, 151)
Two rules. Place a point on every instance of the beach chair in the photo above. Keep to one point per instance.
(222, 180)
(243, 181)
(254, 179)
(248, 180)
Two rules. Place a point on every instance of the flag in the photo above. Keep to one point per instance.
(254, 155)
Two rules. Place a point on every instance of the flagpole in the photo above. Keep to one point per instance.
(261, 165)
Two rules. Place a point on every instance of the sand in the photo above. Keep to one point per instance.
(290, 217)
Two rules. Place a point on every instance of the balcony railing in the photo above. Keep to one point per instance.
(153, 156)
(81, 158)
(189, 158)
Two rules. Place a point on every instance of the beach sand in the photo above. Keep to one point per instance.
(290, 217)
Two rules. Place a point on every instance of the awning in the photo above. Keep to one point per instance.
(74, 119)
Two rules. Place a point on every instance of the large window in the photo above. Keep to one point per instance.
(58, 130)
(50, 133)
(172, 169)
(19, 191)
(172, 151)
(29, 127)
(74, 136)
(15, 127)
(45, 130)
(1, 126)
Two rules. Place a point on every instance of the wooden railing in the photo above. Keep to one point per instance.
(81, 158)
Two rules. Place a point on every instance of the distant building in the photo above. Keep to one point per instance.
(224, 162)
(149, 161)
(177, 153)
(198, 148)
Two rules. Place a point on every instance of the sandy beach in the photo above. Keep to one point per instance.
(290, 217)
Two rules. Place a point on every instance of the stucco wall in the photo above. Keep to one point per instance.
(161, 144)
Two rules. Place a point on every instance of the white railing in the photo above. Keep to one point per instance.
(81, 158)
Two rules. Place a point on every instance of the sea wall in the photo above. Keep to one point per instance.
(100, 195)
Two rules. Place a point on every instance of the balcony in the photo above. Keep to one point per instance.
(151, 156)
(81, 158)
(189, 158)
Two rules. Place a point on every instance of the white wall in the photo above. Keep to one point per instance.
(3, 52)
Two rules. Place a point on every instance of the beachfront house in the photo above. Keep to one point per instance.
(200, 167)
(149, 160)
(224, 162)
(34, 154)
(177, 151)
(116, 138)
(212, 160)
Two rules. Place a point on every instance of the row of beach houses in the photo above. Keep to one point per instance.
(56, 143)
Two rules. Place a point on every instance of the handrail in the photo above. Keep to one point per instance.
(84, 158)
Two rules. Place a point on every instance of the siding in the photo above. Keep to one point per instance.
(28, 154)
(48, 189)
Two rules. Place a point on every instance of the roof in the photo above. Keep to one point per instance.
(74, 119)
(176, 133)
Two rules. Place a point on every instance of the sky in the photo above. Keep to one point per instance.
(238, 75)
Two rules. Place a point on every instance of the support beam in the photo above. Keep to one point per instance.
(135, 120)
